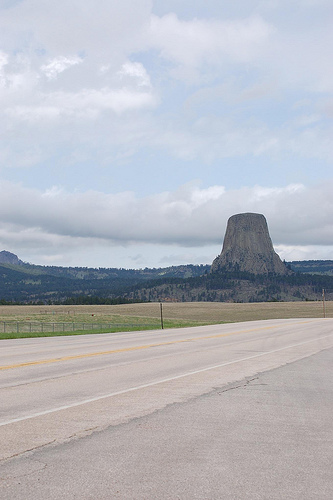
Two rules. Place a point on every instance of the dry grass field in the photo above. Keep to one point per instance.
(218, 312)
(196, 312)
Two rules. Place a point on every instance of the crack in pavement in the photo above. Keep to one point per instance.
(19, 454)
(240, 386)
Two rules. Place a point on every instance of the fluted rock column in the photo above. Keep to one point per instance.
(248, 247)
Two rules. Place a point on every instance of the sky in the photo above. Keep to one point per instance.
(131, 130)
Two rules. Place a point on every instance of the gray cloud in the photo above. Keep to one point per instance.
(190, 216)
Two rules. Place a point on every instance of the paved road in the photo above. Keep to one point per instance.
(86, 407)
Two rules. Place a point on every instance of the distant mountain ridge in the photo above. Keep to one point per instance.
(28, 283)
(23, 282)
(312, 266)
(181, 271)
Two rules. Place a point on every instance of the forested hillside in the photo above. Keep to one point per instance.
(27, 283)
(313, 266)
(235, 287)
(30, 283)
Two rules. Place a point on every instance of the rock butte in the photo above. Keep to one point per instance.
(248, 247)
(9, 258)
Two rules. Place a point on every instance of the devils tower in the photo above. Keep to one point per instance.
(248, 247)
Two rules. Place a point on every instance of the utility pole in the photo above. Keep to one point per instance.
(324, 311)
(162, 326)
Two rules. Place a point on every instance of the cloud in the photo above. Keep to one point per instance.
(3, 62)
(87, 103)
(306, 252)
(68, 64)
(196, 43)
(58, 65)
(277, 44)
(51, 58)
(136, 71)
(190, 216)
(59, 26)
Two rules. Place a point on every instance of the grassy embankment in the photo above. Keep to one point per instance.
(130, 317)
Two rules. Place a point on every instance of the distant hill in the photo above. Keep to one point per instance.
(313, 266)
(22, 282)
(27, 283)
(235, 286)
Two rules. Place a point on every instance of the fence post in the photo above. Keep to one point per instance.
(162, 326)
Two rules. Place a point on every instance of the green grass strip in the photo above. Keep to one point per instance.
(115, 329)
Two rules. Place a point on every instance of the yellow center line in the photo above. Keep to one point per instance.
(134, 348)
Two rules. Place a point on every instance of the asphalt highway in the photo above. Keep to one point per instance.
(67, 396)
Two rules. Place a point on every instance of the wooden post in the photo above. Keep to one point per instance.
(161, 309)
(324, 311)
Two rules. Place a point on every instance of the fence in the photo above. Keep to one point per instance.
(44, 327)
